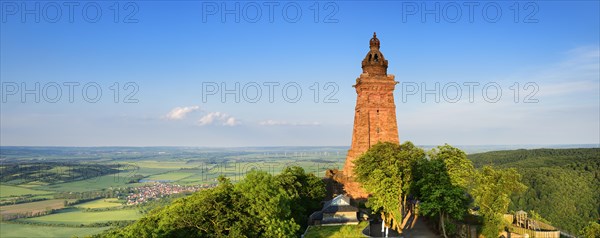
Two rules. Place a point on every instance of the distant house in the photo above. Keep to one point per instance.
(336, 211)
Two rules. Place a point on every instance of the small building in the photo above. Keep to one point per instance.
(336, 212)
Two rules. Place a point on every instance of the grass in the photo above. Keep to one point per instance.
(13, 191)
(76, 216)
(32, 184)
(97, 183)
(172, 176)
(337, 231)
(173, 165)
(149, 171)
(100, 203)
(33, 206)
(10, 230)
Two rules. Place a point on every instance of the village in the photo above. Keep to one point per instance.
(158, 190)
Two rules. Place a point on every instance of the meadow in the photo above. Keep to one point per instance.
(33, 206)
(100, 203)
(15, 191)
(77, 217)
(34, 231)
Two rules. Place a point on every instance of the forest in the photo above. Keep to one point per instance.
(562, 184)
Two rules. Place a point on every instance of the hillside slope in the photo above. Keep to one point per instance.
(563, 184)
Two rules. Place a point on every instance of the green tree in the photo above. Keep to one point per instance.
(592, 230)
(438, 196)
(208, 213)
(268, 203)
(459, 167)
(492, 194)
(258, 206)
(305, 190)
(386, 171)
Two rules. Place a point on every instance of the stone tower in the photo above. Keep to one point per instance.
(375, 113)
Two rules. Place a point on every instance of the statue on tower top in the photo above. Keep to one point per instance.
(374, 42)
(374, 62)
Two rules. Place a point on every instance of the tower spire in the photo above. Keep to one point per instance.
(374, 63)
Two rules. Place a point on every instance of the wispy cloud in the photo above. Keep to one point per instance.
(218, 117)
(179, 113)
(285, 123)
(576, 75)
(567, 110)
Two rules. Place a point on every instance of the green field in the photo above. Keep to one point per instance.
(173, 165)
(12, 191)
(100, 203)
(9, 230)
(33, 206)
(336, 231)
(32, 184)
(171, 176)
(97, 183)
(76, 217)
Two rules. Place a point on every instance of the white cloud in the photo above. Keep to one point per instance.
(223, 118)
(179, 113)
(285, 123)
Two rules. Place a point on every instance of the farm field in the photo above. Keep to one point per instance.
(10, 191)
(76, 217)
(172, 165)
(96, 183)
(170, 176)
(33, 206)
(11, 230)
(100, 203)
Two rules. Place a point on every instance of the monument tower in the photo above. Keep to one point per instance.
(375, 113)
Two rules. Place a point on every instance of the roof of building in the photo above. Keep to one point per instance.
(340, 203)
(344, 208)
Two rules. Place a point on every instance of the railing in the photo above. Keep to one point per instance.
(536, 234)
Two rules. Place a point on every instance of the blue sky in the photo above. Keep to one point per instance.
(168, 55)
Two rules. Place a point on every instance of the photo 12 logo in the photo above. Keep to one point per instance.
(54, 92)
(254, 92)
(269, 12)
(72, 11)
(453, 12)
(454, 92)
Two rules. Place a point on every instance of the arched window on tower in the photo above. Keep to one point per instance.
(376, 58)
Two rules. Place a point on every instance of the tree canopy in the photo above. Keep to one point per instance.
(442, 184)
(386, 171)
(261, 205)
(437, 195)
(492, 195)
